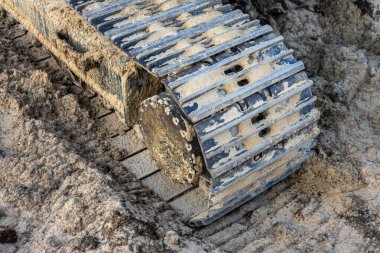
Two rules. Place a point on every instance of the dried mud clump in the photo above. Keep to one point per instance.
(8, 236)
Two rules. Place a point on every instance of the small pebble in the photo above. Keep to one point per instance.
(171, 238)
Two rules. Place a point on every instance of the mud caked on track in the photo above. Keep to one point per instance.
(64, 186)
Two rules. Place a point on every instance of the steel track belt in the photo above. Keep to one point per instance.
(247, 97)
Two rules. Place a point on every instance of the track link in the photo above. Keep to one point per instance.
(235, 81)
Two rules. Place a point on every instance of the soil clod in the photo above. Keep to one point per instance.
(8, 235)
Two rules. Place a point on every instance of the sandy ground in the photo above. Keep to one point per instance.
(62, 188)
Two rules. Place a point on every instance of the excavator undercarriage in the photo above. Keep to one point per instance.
(223, 106)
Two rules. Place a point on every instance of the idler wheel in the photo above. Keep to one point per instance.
(171, 139)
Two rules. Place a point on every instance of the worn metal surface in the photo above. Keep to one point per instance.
(236, 82)
(121, 82)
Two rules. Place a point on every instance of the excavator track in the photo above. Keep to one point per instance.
(232, 81)
(235, 81)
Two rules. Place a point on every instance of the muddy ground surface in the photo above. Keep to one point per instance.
(62, 188)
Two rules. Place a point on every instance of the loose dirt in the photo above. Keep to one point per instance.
(62, 188)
